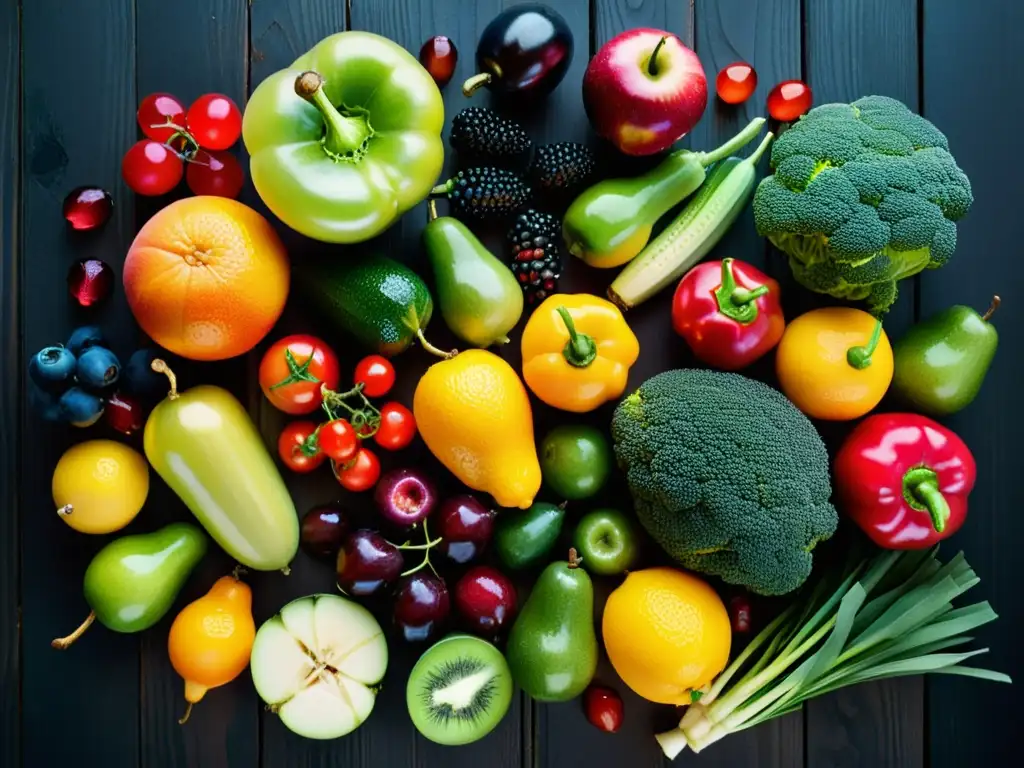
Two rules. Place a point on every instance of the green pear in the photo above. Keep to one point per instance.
(132, 582)
(523, 537)
(552, 648)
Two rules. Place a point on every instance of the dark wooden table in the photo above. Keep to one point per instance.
(71, 75)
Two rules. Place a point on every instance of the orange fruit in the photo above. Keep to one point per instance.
(206, 278)
(666, 633)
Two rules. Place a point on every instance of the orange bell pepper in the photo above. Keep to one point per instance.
(577, 351)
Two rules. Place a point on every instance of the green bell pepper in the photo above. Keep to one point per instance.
(347, 139)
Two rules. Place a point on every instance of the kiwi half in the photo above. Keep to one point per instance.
(459, 690)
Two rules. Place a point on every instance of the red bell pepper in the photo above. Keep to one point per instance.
(728, 312)
(904, 479)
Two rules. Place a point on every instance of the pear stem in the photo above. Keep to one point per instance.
(238, 571)
(188, 711)
(652, 63)
(160, 366)
(996, 301)
(432, 349)
(61, 643)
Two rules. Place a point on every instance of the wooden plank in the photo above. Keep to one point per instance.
(971, 57)
(854, 50)
(77, 121)
(224, 728)
(10, 398)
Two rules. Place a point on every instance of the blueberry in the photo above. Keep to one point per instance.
(81, 408)
(139, 379)
(52, 369)
(46, 404)
(98, 369)
(84, 337)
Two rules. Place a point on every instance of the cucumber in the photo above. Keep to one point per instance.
(693, 233)
(382, 303)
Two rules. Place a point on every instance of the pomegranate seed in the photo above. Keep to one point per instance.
(87, 208)
(124, 413)
(90, 282)
(789, 99)
(739, 613)
(603, 708)
(736, 82)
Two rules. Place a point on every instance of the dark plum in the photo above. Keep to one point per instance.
(405, 497)
(138, 377)
(465, 526)
(323, 530)
(421, 606)
(52, 369)
(485, 600)
(367, 562)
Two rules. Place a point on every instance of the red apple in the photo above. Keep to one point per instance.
(644, 90)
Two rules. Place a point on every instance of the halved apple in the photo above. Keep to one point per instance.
(317, 664)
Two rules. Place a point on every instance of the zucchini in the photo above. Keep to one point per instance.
(694, 232)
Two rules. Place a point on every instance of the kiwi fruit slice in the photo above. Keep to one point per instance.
(459, 690)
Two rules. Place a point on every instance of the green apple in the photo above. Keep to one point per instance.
(606, 539)
(575, 460)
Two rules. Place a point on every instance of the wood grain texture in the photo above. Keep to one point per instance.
(224, 728)
(854, 50)
(78, 118)
(10, 396)
(971, 71)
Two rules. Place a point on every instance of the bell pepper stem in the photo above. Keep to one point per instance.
(652, 63)
(921, 490)
(737, 303)
(996, 301)
(580, 350)
(345, 137)
(476, 82)
(860, 357)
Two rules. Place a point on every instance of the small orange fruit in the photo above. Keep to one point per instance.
(666, 633)
(207, 278)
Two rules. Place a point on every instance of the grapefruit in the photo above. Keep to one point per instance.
(206, 278)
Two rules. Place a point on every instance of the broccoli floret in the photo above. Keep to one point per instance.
(727, 476)
(867, 183)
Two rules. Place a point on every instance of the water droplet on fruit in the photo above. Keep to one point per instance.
(789, 99)
(439, 57)
(87, 208)
(90, 282)
(736, 82)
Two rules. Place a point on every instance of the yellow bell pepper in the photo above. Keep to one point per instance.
(577, 351)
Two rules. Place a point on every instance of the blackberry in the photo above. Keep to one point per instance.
(479, 133)
(484, 193)
(536, 261)
(562, 167)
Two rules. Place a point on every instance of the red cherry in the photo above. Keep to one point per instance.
(124, 413)
(156, 111)
(603, 708)
(214, 173)
(789, 99)
(87, 208)
(439, 57)
(90, 282)
(736, 82)
(485, 600)
(215, 121)
(151, 168)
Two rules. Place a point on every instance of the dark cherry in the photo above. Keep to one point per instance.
(439, 57)
(465, 526)
(405, 497)
(739, 614)
(124, 413)
(366, 562)
(421, 606)
(603, 708)
(323, 530)
(485, 601)
(90, 282)
(88, 207)
(525, 50)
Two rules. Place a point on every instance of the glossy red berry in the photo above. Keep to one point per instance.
(151, 168)
(124, 413)
(87, 208)
(160, 115)
(90, 282)
(789, 99)
(603, 708)
(736, 82)
(214, 173)
(215, 121)
(739, 614)
(439, 57)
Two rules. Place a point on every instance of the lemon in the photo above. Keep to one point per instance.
(666, 633)
(99, 486)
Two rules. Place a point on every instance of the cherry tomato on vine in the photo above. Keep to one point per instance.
(151, 168)
(215, 121)
(156, 111)
(397, 427)
(376, 374)
(338, 440)
(292, 371)
(359, 474)
(214, 173)
(290, 447)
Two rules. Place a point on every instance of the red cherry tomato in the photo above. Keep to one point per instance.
(291, 446)
(292, 371)
(215, 173)
(156, 112)
(360, 474)
(151, 168)
(215, 121)
(376, 374)
(397, 427)
(338, 440)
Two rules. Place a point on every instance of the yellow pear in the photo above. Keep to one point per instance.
(473, 413)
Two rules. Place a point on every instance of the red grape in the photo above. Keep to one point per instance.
(150, 168)
(323, 530)
(214, 121)
(485, 600)
(465, 526)
(421, 606)
(603, 708)
(155, 111)
(214, 173)
(439, 56)
(366, 562)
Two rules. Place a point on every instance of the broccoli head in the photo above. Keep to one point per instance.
(862, 196)
(727, 476)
